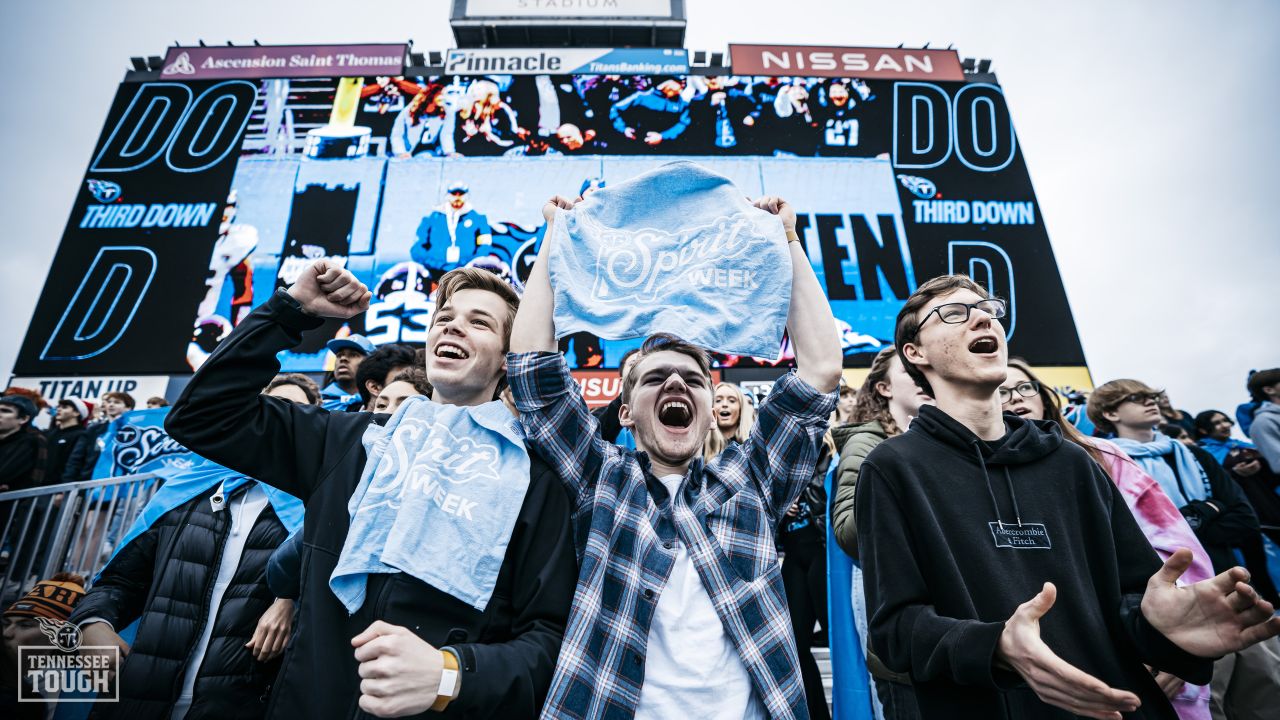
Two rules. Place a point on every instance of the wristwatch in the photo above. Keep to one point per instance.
(450, 680)
(290, 300)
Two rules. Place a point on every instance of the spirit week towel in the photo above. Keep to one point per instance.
(438, 499)
(679, 250)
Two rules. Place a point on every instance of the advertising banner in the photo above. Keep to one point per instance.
(822, 61)
(140, 387)
(283, 61)
(544, 61)
(203, 197)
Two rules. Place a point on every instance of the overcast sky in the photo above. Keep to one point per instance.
(1149, 130)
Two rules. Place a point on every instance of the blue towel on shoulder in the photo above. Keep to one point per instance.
(438, 498)
(677, 249)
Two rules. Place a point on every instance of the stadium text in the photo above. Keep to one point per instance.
(266, 61)
(977, 212)
(77, 387)
(154, 215)
(845, 62)
(474, 63)
(872, 244)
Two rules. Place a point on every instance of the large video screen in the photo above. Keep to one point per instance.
(203, 197)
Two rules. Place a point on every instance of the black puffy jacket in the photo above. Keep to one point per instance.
(165, 576)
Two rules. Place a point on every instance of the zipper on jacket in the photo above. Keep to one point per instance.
(220, 544)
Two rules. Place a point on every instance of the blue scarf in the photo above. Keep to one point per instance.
(1219, 449)
(438, 499)
(677, 249)
(1190, 483)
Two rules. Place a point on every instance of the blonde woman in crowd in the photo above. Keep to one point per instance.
(734, 416)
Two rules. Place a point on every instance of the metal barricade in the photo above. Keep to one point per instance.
(70, 527)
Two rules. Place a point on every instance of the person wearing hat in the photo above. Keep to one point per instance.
(342, 391)
(452, 234)
(68, 426)
(52, 599)
(23, 450)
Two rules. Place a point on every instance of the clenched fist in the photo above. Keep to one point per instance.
(328, 290)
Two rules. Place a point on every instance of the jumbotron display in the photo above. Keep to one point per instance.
(202, 197)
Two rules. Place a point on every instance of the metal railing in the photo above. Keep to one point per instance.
(70, 527)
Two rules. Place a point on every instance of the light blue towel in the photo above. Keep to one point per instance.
(438, 499)
(677, 249)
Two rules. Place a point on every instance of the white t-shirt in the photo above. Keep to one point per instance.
(692, 669)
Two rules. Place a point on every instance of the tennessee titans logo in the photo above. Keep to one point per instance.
(920, 187)
(63, 635)
(104, 191)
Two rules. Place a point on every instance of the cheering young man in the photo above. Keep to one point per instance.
(1004, 571)
(680, 610)
(372, 635)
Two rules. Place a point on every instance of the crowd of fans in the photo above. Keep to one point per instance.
(622, 114)
(666, 594)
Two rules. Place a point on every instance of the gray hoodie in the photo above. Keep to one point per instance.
(1265, 433)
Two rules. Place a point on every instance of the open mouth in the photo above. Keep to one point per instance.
(1020, 411)
(725, 414)
(984, 345)
(675, 414)
(451, 351)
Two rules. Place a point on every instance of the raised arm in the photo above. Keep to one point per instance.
(555, 418)
(810, 324)
(534, 329)
(222, 414)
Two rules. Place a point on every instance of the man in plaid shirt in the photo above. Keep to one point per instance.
(679, 608)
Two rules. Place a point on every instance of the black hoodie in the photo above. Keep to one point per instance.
(931, 506)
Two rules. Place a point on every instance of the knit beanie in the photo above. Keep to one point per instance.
(53, 598)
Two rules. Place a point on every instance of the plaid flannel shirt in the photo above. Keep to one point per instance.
(626, 526)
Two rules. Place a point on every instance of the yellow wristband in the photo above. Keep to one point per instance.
(792, 236)
(450, 664)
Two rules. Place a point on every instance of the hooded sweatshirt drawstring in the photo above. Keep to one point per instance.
(982, 463)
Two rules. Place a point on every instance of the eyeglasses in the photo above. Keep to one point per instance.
(1141, 398)
(956, 313)
(1026, 389)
